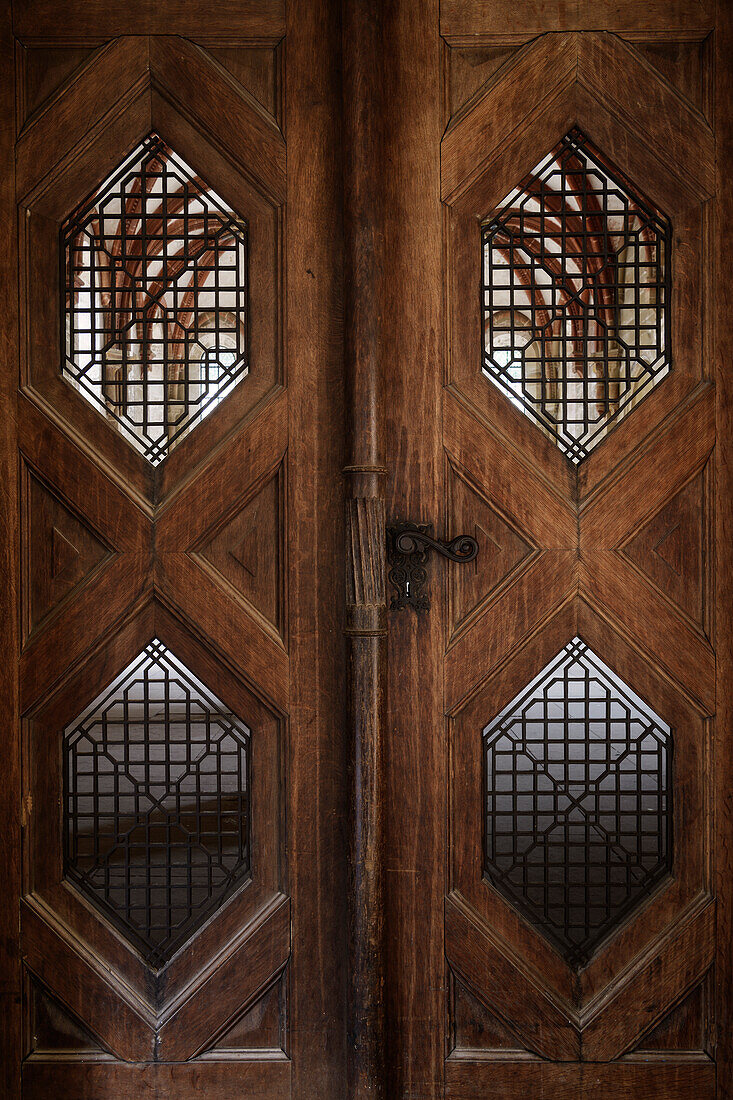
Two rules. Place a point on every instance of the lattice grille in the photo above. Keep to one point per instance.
(578, 825)
(575, 296)
(155, 278)
(157, 803)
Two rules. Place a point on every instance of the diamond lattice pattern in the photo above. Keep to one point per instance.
(575, 296)
(578, 801)
(157, 803)
(155, 296)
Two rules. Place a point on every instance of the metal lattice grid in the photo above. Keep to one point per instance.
(157, 803)
(575, 296)
(155, 298)
(578, 801)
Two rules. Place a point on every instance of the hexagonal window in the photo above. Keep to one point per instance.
(155, 298)
(578, 801)
(575, 296)
(156, 803)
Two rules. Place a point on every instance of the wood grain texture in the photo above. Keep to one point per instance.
(51, 1029)
(413, 354)
(613, 72)
(672, 549)
(257, 68)
(10, 838)
(253, 19)
(537, 593)
(467, 69)
(723, 758)
(123, 1022)
(256, 652)
(231, 115)
(99, 88)
(61, 550)
(252, 961)
(41, 70)
(676, 647)
(543, 71)
(688, 1026)
(317, 750)
(260, 1027)
(679, 961)
(362, 36)
(686, 65)
(186, 517)
(503, 549)
(121, 586)
(366, 542)
(473, 1027)
(247, 552)
(469, 1078)
(267, 1078)
(461, 19)
(538, 505)
(594, 77)
(506, 987)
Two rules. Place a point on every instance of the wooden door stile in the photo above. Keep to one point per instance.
(723, 837)
(366, 619)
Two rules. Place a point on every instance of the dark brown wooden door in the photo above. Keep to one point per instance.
(171, 275)
(472, 255)
(557, 749)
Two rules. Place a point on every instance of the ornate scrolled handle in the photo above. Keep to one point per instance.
(407, 553)
(461, 548)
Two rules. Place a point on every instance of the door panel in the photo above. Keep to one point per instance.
(577, 912)
(179, 763)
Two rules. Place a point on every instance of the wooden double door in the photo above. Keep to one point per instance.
(366, 457)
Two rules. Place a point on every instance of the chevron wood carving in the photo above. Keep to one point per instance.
(62, 550)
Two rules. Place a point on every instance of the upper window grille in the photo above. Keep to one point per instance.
(155, 277)
(575, 296)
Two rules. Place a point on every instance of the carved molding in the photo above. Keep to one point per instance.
(365, 566)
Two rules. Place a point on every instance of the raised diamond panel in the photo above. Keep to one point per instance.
(157, 803)
(578, 801)
(575, 296)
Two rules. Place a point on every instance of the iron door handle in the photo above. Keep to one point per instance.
(408, 548)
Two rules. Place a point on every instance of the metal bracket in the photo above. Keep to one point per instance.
(408, 547)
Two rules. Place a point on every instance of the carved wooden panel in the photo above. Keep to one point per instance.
(614, 553)
(61, 550)
(475, 1027)
(51, 1029)
(260, 1028)
(256, 68)
(671, 548)
(155, 906)
(43, 69)
(688, 1027)
(502, 547)
(253, 188)
(246, 552)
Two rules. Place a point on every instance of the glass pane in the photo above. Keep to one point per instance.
(157, 803)
(578, 812)
(575, 296)
(155, 273)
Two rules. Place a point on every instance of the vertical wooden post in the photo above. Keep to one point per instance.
(366, 623)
